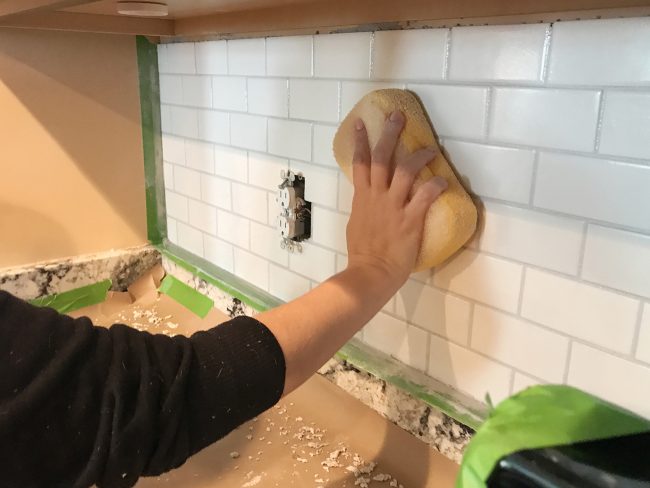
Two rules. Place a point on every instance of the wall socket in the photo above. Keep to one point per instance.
(294, 221)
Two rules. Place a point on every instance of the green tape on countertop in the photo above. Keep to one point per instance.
(69, 301)
(186, 296)
(539, 417)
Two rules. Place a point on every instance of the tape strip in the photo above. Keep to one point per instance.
(69, 301)
(186, 296)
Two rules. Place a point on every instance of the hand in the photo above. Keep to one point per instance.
(385, 228)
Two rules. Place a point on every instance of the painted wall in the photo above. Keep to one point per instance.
(72, 178)
(549, 127)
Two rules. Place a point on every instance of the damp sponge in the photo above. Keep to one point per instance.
(451, 220)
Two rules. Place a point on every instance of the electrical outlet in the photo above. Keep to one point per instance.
(294, 221)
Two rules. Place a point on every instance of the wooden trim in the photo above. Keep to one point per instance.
(106, 24)
(341, 15)
(14, 7)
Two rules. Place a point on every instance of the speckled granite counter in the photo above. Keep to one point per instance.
(122, 266)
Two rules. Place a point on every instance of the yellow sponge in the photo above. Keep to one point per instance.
(451, 220)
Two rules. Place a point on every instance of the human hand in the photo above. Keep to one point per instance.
(387, 221)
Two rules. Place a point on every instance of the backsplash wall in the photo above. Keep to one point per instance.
(547, 125)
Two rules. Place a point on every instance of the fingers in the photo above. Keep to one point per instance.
(407, 172)
(382, 153)
(425, 196)
(361, 158)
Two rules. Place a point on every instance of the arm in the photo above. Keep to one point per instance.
(383, 234)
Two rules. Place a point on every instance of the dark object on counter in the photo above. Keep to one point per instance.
(620, 462)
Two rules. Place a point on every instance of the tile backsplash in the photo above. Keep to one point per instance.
(547, 125)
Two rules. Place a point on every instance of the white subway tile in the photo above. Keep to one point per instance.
(286, 285)
(520, 344)
(320, 183)
(173, 149)
(346, 193)
(176, 58)
(211, 57)
(166, 119)
(197, 91)
(599, 189)
(497, 52)
(251, 268)
(434, 310)
(268, 96)
(233, 229)
(626, 124)
(264, 171)
(187, 182)
(523, 381)
(190, 238)
(176, 206)
(274, 208)
(249, 202)
(492, 171)
(537, 238)
(353, 91)
(248, 131)
(313, 262)
(185, 121)
(203, 217)
(289, 138)
(468, 371)
(314, 100)
(229, 93)
(342, 55)
(618, 259)
(643, 346)
(417, 54)
(231, 163)
(172, 234)
(342, 264)
(614, 379)
(562, 119)
(323, 141)
(216, 191)
(168, 175)
(392, 336)
(171, 89)
(218, 252)
(214, 126)
(455, 110)
(265, 241)
(580, 310)
(289, 56)
(601, 52)
(247, 57)
(199, 156)
(487, 279)
(328, 229)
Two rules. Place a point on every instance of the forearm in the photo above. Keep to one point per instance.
(312, 328)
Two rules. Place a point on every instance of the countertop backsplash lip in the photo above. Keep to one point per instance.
(551, 141)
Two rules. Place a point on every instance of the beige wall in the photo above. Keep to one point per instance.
(71, 164)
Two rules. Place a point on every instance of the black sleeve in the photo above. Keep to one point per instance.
(83, 405)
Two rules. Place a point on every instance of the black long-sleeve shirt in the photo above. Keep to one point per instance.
(83, 405)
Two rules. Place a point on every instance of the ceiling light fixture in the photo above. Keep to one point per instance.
(143, 9)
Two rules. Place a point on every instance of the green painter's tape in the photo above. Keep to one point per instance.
(186, 296)
(151, 139)
(542, 416)
(69, 301)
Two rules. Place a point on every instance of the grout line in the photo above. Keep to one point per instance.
(533, 179)
(511, 386)
(371, 54)
(583, 246)
(521, 290)
(546, 54)
(487, 114)
(602, 99)
(427, 357)
(313, 58)
(446, 55)
(637, 330)
(565, 378)
(266, 62)
(470, 328)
